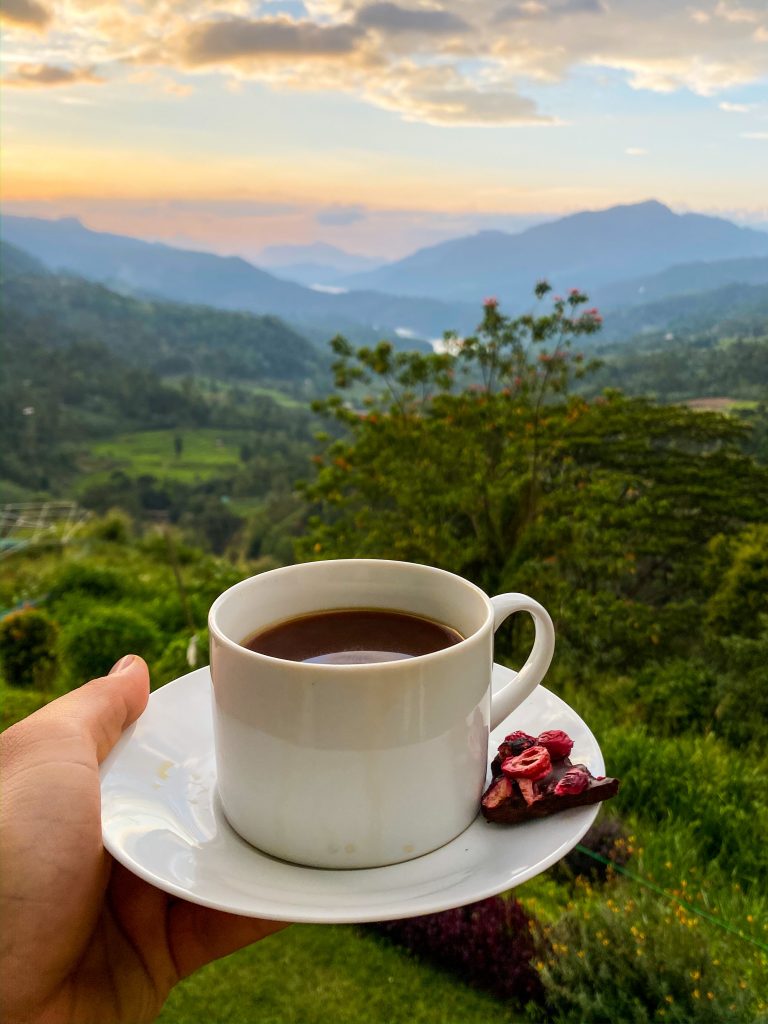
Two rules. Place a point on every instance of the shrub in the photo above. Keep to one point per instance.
(92, 644)
(115, 527)
(488, 944)
(638, 960)
(80, 579)
(28, 649)
(675, 696)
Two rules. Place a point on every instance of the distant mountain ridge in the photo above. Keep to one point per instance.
(732, 310)
(317, 263)
(684, 279)
(153, 269)
(586, 250)
(623, 256)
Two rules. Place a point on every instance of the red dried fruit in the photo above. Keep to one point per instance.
(533, 763)
(516, 743)
(531, 793)
(574, 781)
(558, 743)
(500, 789)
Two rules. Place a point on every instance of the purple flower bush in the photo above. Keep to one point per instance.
(487, 944)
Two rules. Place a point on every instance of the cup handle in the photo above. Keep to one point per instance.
(504, 702)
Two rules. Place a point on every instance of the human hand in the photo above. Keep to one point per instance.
(84, 941)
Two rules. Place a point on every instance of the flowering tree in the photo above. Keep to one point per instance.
(480, 459)
(441, 459)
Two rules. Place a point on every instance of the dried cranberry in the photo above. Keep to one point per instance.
(530, 790)
(533, 763)
(499, 791)
(558, 743)
(574, 781)
(516, 743)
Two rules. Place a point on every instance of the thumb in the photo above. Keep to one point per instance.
(106, 706)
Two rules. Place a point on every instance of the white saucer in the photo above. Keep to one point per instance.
(162, 820)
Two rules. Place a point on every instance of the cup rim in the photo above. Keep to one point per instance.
(367, 667)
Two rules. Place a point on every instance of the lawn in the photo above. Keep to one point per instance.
(314, 974)
(204, 453)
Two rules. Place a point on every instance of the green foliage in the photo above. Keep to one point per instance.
(675, 696)
(116, 527)
(93, 645)
(28, 649)
(741, 714)
(79, 580)
(183, 654)
(685, 368)
(699, 780)
(740, 574)
(16, 704)
(636, 959)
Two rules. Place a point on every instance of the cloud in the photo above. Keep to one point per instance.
(754, 135)
(673, 73)
(733, 12)
(390, 17)
(41, 76)
(636, 151)
(240, 38)
(341, 216)
(442, 62)
(735, 108)
(522, 10)
(25, 12)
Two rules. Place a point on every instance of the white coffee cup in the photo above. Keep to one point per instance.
(350, 766)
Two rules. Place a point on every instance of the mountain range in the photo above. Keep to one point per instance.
(153, 270)
(589, 250)
(625, 256)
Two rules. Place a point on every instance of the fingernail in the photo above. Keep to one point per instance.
(123, 663)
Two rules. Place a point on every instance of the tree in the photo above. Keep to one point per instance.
(479, 460)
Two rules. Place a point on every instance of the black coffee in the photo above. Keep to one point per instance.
(353, 636)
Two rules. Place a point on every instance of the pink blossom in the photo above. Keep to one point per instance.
(491, 302)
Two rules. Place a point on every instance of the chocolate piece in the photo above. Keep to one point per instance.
(536, 798)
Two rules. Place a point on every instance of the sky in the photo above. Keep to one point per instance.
(232, 125)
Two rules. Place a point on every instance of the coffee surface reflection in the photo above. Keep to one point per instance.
(353, 636)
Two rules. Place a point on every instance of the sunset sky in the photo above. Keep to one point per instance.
(378, 126)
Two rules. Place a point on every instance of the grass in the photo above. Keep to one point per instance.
(205, 453)
(317, 974)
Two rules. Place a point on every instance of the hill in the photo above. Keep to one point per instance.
(585, 250)
(161, 337)
(684, 279)
(735, 309)
(150, 269)
(315, 264)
